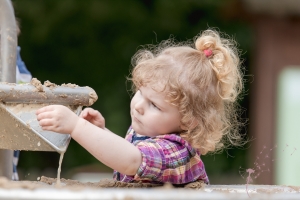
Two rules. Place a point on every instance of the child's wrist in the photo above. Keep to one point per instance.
(79, 125)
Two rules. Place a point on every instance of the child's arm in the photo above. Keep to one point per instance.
(111, 149)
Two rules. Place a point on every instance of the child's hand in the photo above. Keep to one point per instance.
(57, 118)
(93, 116)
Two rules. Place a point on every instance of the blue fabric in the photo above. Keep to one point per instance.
(21, 65)
(15, 176)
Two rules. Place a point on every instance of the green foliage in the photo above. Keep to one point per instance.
(91, 42)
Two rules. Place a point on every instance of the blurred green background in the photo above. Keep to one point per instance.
(91, 42)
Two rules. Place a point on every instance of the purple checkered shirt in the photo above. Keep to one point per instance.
(166, 158)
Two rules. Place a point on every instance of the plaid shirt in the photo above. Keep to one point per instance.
(165, 158)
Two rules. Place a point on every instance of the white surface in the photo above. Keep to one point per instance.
(209, 192)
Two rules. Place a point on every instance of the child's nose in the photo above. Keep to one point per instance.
(139, 107)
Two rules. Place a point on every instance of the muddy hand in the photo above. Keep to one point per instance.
(57, 118)
(93, 116)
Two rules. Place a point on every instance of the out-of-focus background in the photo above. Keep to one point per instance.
(91, 42)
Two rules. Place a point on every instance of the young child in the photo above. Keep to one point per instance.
(184, 105)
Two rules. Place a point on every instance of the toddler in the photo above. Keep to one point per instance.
(183, 107)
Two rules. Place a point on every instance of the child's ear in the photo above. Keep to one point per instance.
(192, 125)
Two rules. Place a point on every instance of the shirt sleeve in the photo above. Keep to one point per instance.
(152, 160)
(166, 160)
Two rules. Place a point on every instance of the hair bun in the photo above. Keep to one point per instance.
(207, 40)
(224, 62)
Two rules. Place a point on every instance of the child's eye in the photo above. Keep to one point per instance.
(155, 106)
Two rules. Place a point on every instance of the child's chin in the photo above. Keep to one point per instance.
(135, 127)
(138, 130)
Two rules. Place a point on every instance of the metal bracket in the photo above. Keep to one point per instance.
(19, 128)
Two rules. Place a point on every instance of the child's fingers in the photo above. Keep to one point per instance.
(45, 123)
(56, 118)
(46, 113)
(88, 113)
(84, 113)
(93, 116)
(46, 128)
(44, 109)
(95, 113)
(49, 128)
(43, 115)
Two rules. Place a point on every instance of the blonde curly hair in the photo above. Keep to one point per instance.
(203, 86)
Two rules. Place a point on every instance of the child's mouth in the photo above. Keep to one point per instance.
(136, 119)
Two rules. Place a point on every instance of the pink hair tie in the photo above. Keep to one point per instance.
(207, 52)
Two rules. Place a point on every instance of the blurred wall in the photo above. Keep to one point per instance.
(276, 26)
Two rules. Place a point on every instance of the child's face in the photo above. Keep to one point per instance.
(151, 115)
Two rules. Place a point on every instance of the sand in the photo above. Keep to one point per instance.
(47, 182)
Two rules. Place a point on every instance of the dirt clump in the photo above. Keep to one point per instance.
(37, 84)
